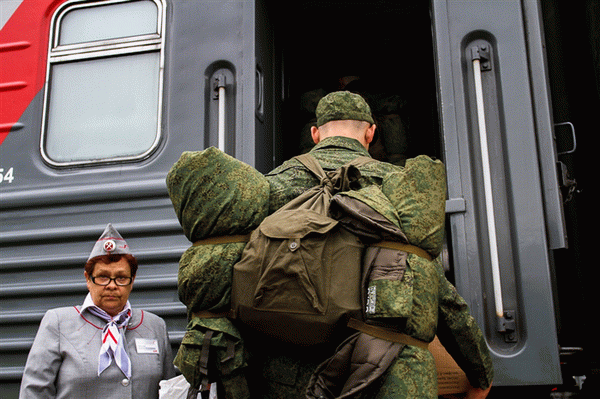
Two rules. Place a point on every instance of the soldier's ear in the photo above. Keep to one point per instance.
(370, 134)
(316, 134)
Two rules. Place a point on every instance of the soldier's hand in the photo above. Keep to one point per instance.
(478, 393)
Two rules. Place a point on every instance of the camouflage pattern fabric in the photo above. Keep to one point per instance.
(390, 294)
(412, 376)
(227, 357)
(435, 307)
(205, 276)
(418, 192)
(213, 195)
(343, 105)
(291, 179)
(375, 199)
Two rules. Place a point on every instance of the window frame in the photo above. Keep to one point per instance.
(57, 54)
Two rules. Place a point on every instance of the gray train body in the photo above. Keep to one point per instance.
(231, 74)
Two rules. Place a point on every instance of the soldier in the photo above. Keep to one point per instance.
(344, 129)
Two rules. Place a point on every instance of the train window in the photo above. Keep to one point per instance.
(104, 82)
(100, 23)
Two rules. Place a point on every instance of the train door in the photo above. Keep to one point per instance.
(467, 82)
(500, 159)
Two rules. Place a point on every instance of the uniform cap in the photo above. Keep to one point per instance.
(343, 105)
(110, 243)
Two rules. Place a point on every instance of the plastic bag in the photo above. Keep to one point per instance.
(174, 388)
(178, 388)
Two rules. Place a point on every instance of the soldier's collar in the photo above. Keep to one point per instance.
(342, 142)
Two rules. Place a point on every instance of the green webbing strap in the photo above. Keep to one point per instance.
(223, 240)
(403, 247)
(386, 334)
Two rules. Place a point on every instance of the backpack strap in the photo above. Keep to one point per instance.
(386, 334)
(310, 162)
(400, 246)
(237, 238)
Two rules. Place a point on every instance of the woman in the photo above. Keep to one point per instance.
(103, 348)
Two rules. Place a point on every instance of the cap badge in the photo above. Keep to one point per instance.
(109, 245)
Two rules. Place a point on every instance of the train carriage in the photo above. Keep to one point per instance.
(99, 98)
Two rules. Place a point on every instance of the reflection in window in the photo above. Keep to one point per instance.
(104, 83)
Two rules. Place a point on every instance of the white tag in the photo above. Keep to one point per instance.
(146, 345)
(371, 299)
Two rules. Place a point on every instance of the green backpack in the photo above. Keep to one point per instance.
(299, 276)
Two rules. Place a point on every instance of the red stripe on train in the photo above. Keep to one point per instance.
(23, 53)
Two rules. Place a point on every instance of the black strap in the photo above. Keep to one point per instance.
(204, 359)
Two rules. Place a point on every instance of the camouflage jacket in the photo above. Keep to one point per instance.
(436, 308)
(291, 178)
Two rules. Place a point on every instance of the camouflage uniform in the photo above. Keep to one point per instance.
(436, 304)
(282, 371)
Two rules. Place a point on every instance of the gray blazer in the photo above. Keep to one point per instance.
(63, 361)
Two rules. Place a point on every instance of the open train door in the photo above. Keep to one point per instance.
(505, 207)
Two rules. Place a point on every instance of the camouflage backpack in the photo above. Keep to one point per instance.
(299, 276)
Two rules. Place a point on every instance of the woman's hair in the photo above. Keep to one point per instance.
(107, 259)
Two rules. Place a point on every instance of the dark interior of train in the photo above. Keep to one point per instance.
(572, 33)
(380, 49)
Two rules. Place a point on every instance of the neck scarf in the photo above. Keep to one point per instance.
(113, 337)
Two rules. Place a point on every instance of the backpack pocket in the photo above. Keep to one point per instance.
(299, 278)
(293, 276)
(390, 286)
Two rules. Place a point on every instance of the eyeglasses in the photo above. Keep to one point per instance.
(104, 281)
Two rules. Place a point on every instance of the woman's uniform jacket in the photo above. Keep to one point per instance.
(63, 361)
(437, 307)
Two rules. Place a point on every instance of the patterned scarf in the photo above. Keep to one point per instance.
(113, 337)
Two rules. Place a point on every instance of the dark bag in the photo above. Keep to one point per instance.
(358, 362)
(299, 277)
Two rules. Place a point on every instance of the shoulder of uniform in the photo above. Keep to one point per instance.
(65, 311)
(382, 167)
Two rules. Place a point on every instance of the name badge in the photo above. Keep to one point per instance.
(146, 345)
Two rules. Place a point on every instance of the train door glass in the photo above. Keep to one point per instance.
(104, 82)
